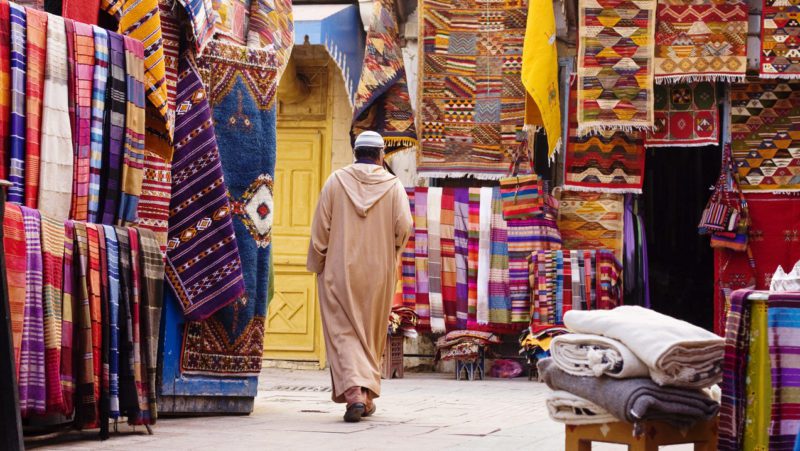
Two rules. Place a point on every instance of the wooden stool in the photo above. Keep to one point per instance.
(472, 367)
(393, 358)
(703, 435)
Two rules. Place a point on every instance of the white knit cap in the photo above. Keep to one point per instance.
(369, 139)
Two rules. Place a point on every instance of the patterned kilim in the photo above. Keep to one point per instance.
(16, 172)
(608, 161)
(133, 156)
(101, 59)
(499, 295)
(153, 208)
(421, 258)
(34, 93)
(779, 40)
(615, 64)
(592, 221)
(240, 85)
(783, 328)
(472, 101)
(734, 397)
(408, 264)
(701, 40)
(524, 237)
(52, 276)
(687, 115)
(171, 42)
(382, 102)
(203, 18)
(203, 265)
(5, 85)
(232, 19)
(271, 27)
(765, 120)
(32, 390)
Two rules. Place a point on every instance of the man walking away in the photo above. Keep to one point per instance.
(361, 225)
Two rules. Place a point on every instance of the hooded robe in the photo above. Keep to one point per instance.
(360, 227)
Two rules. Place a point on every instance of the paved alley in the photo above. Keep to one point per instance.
(420, 412)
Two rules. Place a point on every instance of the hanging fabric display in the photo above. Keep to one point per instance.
(615, 92)
(271, 27)
(778, 40)
(34, 93)
(5, 86)
(592, 221)
(687, 115)
(421, 261)
(16, 172)
(203, 19)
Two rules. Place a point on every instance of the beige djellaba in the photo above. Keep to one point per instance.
(361, 225)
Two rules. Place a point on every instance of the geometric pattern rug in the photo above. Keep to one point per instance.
(779, 40)
(701, 40)
(592, 221)
(686, 115)
(472, 101)
(765, 127)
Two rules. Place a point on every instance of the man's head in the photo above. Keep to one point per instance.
(369, 146)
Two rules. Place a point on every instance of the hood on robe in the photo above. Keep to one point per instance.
(365, 185)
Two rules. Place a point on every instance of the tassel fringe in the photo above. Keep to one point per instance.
(653, 146)
(586, 189)
(597, 129)
(784, 76)
(692, 78)
(456, 175)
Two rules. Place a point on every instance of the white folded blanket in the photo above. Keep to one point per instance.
(676, 352)
(595, 355)
(567, 408)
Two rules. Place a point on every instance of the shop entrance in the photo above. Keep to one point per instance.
(676, 190)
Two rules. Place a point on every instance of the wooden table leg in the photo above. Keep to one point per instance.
(573, 442)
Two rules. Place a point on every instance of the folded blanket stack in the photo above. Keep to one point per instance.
(464, 344)
(632, 364)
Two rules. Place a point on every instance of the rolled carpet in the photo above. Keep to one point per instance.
(595, 355)
(567, 408)
(677, 353)
(633, 400)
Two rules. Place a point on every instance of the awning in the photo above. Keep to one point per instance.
(339, 29)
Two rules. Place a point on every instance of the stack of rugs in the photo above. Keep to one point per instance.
(464, 345)
(403, 321)
(632, 364)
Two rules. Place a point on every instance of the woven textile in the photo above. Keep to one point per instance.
(382, 102)
(758, 382)
(32, 390)
(83, 37)
(473, 250)
(484, 255)
(448, 254)
(95, 291)
(112, 257)
(203, 18)
(524, 237)
(68, 310)
(18, 123)
(133, 153)
(152, 276)
(615, 65)
(686, 115)
(171, 34)
(55, 178)
(702, 40)
(140, 20)
(783, 316)
(765, 116)
(52, 298)
(499, 294)
(540, 73)
(408, 263)
(232, 19)
(421, 257)
(592, 221)
(14, 246)
(779, 39)
(607, 161)
(272, 27)
(113, 130)
(104, 403)
(462, 255)
(34, 94)
(86, 406)
(240, 85)
(435, 269)
(153, 207)
(101, 59)
(128, 369)
(5, 86)
(203, 265)
(85, 11)
(472, 102)
(140, 414)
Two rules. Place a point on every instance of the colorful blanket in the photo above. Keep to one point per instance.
(472, 101)
(133, 154)
(14, 247)
(153, 208)
(592, 221)
(448, 253)
(203, 18)
(408, 263)
(113, 130)
(32, 389)
(34, 94)
(687, 115)
(101, 60)
(203, 265)
(86, 401)
(524, 237)
(240, 85)
(68, 311)
(462, 197)
(421, 257)
(615, 65)
(435, 275)
(5, 86)
(271, 27)
(382, 102)
(607, 161)
(52, 300)
(783, 316)
(232, 19)
(112, 257)
(473, 251)
(703, 40)
(499, 294)
(18, 123)
(779, 40)
(83, 37)
(764, 118)
(484, 254)
(152, 291)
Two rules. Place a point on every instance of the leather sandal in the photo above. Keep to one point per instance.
(354, 412)
(371, 411)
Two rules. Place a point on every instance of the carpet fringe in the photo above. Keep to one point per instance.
(776, 76)
(456, 175)
(596, 129)
(650, 146)
(693, 78)
(585, 189)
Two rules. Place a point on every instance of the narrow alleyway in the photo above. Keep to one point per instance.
(421, 412)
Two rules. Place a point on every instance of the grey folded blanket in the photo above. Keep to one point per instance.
(633, 400)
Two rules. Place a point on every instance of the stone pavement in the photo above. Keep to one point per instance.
(293, 411)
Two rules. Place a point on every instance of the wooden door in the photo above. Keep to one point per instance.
(293, 328)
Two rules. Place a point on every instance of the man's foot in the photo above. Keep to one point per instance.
(370, 409)
(354, 412)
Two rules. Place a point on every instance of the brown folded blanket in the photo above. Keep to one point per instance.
(633, 400)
